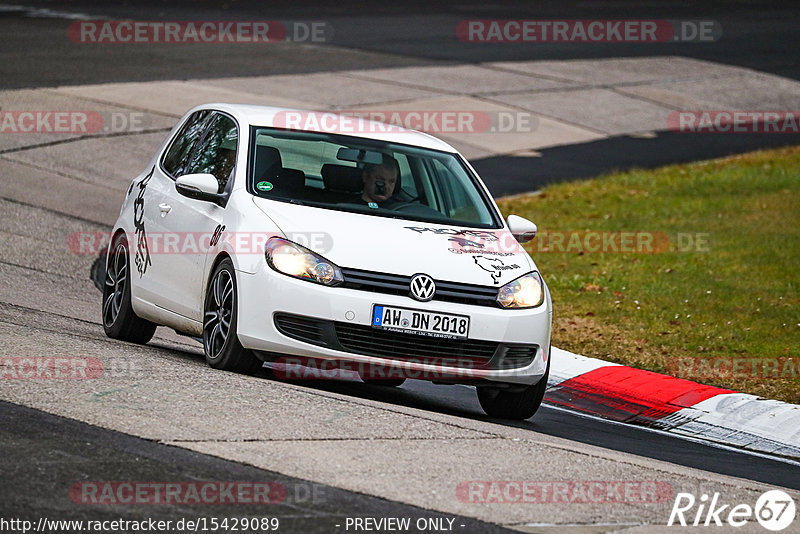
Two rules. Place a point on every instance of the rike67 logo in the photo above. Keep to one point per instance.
(774, 510)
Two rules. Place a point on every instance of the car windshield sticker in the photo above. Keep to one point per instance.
(373, 205)
(494, 266)
(142, 257)
(264, 186)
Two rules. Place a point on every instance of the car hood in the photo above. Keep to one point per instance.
(398, 246)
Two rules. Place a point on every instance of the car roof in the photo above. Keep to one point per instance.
(276, 117)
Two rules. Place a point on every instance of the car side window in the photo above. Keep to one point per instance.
(177, 157)
(216, 153)
(406, 177)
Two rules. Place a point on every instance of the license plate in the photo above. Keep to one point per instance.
(425, 323)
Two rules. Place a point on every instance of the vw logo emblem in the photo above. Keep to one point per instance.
(422, 287)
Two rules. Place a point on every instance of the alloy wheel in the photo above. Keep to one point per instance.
(218, 314)
(116, 278)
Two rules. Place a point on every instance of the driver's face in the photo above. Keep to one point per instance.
(378, 174)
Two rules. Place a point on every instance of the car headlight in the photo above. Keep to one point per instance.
(525, 292)
(293, 260)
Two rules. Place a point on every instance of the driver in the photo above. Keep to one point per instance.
(380, 182)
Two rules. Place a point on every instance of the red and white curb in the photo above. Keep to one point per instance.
(683, 407)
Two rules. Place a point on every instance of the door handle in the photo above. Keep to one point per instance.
(165, 208)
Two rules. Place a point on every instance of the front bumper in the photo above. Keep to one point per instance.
(265, 295)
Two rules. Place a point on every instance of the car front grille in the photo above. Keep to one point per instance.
(398, 346)
(394, 284)
(368, 341)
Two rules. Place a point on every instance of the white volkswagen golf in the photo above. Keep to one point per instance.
(276, 233)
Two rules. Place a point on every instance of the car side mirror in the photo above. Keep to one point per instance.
(522, 229)
(200, 186)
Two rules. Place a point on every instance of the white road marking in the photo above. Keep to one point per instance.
(700, 441)
(678, 436)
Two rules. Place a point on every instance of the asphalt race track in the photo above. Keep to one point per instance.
(755, 35)
(341, 450)
(47, 440)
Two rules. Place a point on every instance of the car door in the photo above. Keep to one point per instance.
(155, 282)
(187, 224)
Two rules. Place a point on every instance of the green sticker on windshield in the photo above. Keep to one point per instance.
(263, 186)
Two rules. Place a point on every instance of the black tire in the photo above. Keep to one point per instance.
(518, 405)
(220, 341)
(119, 320)
(98, 272)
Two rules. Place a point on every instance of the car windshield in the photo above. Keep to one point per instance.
(366, 176)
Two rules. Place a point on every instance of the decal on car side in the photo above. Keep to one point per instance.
(462, 242)
(142, 256)
(494, 266)
(482, 234)
(461, 245)
(217, 234)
